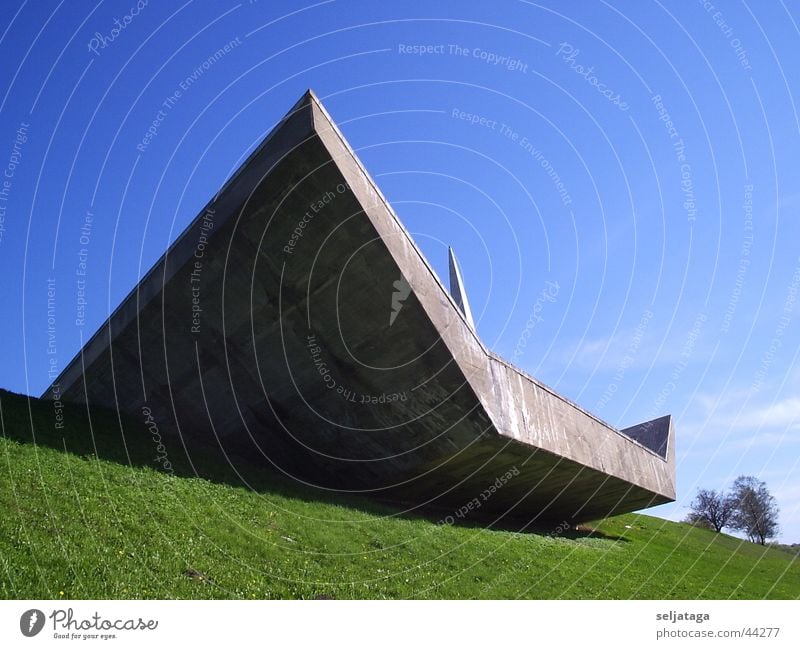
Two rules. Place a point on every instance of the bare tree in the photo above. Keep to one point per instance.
(712, 509)
(696, 521)
(756, 510)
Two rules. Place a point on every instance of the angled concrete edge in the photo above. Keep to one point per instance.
(499, 414)
(519, 406)
(293, 129)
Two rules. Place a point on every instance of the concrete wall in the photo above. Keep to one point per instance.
(295, 357)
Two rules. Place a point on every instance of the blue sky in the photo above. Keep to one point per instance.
(640, 157)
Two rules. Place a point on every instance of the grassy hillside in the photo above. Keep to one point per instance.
(86, 516)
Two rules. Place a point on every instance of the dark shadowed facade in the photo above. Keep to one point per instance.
(296, 322)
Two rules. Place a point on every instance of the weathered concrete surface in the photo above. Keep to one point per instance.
(296, 321)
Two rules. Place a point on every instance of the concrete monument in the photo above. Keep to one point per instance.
(295, 321)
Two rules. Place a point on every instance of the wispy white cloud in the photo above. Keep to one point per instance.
(623, 349)
(762, 415)
(782, 441)
(783, 414)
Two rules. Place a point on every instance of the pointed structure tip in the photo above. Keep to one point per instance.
(457, 289)
(308, 97)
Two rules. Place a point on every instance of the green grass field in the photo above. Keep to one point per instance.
(85, 515)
